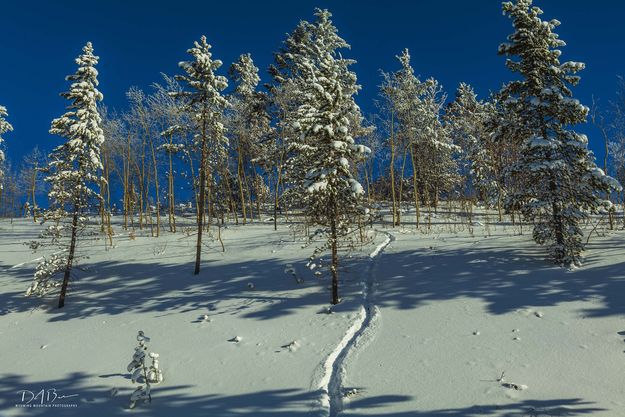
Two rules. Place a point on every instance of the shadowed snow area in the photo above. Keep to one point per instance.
(448, 313)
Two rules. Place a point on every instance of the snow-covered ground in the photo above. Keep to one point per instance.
(428, 325)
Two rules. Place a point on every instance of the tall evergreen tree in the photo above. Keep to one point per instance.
(74, 172)
(325, 153)
(559, 183)
(205, 104)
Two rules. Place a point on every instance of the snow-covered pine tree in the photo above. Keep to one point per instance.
(249, 124)
(4, 128)
(325, 152)
(141, 373)
(205, 105)
(559, 181)
(74, 173)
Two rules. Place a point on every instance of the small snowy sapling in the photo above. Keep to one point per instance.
(143, 374)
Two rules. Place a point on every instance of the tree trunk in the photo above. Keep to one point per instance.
(156, 189)
(195, 188)
(499, 202)
(33, 187)
(70, 258)
(366, 172)
(248, 188)
(401, 187)
(171, 199)
(277, 193)
(335, 261)
(392, 170)
(415, 187)
(240, 178)
(202, 195)
(127, 185)
(557, 220)
(143, 194)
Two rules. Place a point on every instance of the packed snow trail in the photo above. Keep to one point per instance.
(331, 383)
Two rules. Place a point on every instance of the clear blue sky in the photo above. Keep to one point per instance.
(451, 40)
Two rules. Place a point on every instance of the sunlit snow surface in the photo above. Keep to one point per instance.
(455, 308)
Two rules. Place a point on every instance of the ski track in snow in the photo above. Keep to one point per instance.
(331, 383)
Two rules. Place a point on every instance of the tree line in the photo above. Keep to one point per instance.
(218, 147)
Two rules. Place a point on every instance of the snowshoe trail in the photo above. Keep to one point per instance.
(334, 372)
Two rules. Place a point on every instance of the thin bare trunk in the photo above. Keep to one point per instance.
(202, 193)
(156, 189)
(240, 179)
(70, 258)
(401, 186)
(171, 201)
(392, 171)
(415, 186)
(335, 261)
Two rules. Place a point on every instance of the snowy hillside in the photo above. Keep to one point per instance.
(460, 321)
(316, 231)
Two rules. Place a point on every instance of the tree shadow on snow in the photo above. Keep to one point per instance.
(506, 279)
(118, 287)
(93, 398)
(529, 408)
(87, 395)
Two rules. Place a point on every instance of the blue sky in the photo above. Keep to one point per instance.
(452, 41)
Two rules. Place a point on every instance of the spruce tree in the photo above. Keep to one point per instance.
(74, 173)
(324, 153)
(205, 105)
(558, 183)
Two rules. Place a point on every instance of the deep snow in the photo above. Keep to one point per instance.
(428, 324)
